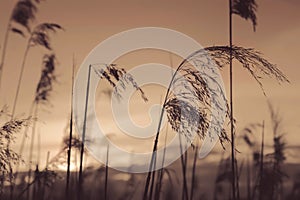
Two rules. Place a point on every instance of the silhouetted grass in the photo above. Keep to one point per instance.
(23, 13)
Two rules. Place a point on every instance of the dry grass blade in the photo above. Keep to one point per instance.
(18, 31)
(45, 84)
(246, 9)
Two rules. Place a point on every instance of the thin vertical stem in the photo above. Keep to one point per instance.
(84, 130)
(194, 172)
(153, 179)
(106, 174)
(261, 170)
(10, 173)
(153, 157)
(24, 137)
(154, 172)
(70, 133)
(20, 79)
(161, 172)
(248, 180)
(183, 167)
(233, 178)
(31, 149)
(47, 160)
(4, 49)
(14, 105)
(21, 151)
(238, 175)
(39, 148)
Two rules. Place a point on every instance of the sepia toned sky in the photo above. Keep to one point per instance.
(89, 22)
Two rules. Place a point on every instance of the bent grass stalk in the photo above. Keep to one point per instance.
(23, 13)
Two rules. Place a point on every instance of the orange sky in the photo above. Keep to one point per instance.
(89, 22)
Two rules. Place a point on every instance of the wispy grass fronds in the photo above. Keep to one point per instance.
(45, 84)
(194, 102)
(251, 59)
(194, 92)
(39, 37)
(8, 132)
(40, 34)
(195, 119)
(24, 13)
(245, 9)
(114, 75)
(11, 127)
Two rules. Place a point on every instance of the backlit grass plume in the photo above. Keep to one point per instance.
(188, 108)
(23, 13)
(40, 36)
(8, 157)
(245, 9)
(113, 74)
(192, 98)
(251, 59)
(7, 133)
(45, 84)
(256, 65)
